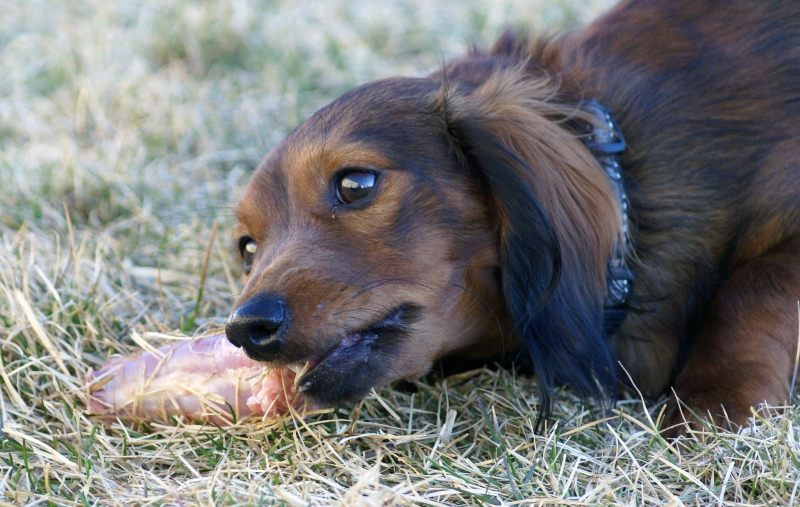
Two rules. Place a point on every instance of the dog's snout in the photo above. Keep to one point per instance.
(258, 326)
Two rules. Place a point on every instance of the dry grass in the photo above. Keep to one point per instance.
(125, 131)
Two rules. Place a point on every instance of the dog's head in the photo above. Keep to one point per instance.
(413, 219)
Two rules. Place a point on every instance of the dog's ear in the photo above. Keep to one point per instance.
(558, 221)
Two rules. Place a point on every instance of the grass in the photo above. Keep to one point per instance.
(126, 131)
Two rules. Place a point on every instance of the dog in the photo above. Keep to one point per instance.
(616, 205)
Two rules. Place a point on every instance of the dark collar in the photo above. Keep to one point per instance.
(607, 145)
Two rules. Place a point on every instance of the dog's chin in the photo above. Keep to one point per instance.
(360, 360)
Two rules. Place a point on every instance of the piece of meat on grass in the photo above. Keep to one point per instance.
(202, 380)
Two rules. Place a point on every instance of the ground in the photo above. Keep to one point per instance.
(126, 130)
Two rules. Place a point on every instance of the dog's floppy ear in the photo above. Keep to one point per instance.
(558, 221)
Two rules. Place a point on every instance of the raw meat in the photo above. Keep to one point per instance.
(205, 380)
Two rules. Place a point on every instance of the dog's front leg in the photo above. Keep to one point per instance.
(744, 354)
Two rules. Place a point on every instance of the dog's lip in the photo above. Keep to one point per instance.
(393, 319)
(304, 368)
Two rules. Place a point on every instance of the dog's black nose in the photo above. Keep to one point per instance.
(258, 326)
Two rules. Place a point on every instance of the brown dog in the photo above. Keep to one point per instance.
(479, 213)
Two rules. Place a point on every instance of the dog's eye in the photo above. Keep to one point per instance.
(248, 248)
(354, 185)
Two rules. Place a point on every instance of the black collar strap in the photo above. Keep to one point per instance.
(607, 145)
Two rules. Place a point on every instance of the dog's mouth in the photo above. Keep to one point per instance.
(357, 362)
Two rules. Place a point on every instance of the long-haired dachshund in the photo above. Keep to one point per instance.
(627, 196)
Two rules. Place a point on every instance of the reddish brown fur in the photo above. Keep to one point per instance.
(707, 94)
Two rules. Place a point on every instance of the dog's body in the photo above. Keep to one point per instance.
(462, 214)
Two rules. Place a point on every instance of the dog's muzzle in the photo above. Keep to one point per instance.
(258, 326)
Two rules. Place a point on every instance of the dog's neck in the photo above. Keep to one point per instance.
(607, 145)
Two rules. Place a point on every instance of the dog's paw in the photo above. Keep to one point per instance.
(697, 414)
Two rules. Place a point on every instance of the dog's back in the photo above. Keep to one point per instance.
(707, 94)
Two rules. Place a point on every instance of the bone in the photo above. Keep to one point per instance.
(201, 380)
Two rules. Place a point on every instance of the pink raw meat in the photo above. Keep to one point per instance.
(206, 379)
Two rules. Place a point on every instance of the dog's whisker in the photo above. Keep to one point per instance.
(390, 281)
(361, 309)
(358, 276)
